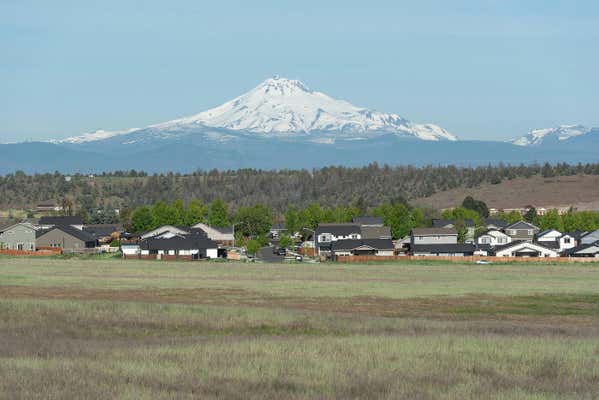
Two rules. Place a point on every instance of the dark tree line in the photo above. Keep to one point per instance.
(364, 187)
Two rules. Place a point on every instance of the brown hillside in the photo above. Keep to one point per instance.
(581, 192)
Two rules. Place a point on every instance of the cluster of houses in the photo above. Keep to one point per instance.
(167, 242)
(368, 236)
(66, 234)
(364, 236)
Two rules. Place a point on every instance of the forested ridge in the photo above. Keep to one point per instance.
(368, 186)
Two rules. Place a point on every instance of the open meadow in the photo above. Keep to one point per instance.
(98, 329)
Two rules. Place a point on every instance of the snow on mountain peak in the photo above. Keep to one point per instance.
(286, 107)
(561, 133)
(281, 107)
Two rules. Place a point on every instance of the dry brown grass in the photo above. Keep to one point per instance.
(124, 339)
(581, 192)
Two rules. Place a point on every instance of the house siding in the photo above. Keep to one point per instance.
(18, 237)
(58, 238)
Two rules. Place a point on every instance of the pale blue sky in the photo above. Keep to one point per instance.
(481, 69)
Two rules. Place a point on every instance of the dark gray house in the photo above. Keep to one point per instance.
(20, 236)
(67, 238)
(191, 247)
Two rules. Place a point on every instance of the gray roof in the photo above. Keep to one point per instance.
(102, 229)
(69, 230)
(434, 232)
(338, 229)
(582, 247)
(367, 220)
(63, 220)
(521, 225)
(498, 222)
(443, 248)
(376, 232)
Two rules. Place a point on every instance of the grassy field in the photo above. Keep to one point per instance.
(133, 330)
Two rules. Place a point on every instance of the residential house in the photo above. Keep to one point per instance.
(521, 231)
(522, 248)
(223, 236)
(67, 238)
(452, 224)
(51, 222)
(434, 236)
(493, 237)
(584, 250)
(554, 239)
(191, 247)
(438, 242)
(372, 228)
(363, 247)
(326, 234)
(19, 236)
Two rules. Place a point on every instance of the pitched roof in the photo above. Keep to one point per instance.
(443, 248)
(191, 242)
(498, 222)
(441, 223)
(546, 231)
(63, 220)
(518, 243)
(351, 244)
(102, 229)
(521, 225)
(69, 230)
(375, 232)
(365, 220)
(338, 229)
(581, 248)
(434, 232)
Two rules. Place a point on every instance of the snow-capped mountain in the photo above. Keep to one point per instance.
(561, 133)
(281, 108)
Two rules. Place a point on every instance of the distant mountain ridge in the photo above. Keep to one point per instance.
(282, 124)
(552, 136)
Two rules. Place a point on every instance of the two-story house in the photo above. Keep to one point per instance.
(326, 234)
(452, 224)
(493, 237)
(438, 242)
(20, 236)
(521, 230)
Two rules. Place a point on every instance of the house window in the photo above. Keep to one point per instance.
(354, 236)
(567, 240)
(530, 232)
(512, 232)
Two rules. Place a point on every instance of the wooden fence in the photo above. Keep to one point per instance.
(465, 259)
(39, 253)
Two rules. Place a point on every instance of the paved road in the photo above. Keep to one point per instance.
(265, 254)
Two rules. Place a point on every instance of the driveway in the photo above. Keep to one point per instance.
(265, 254)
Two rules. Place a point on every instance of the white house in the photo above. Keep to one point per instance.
(493, 237)
(524, 249)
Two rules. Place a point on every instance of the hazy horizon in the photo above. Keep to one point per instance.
(488, 70)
